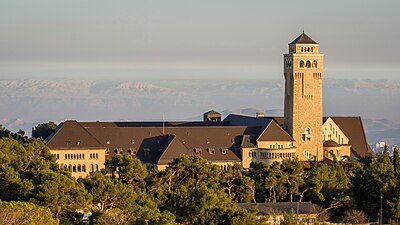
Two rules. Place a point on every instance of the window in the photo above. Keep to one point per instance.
(97, 167)
(301, 64)
(211, 150)
(91, 168)
(308, 131)
(133, 141)
(108, 142)
(223, 150)
(308, 64)
(84, 168)
(74, 168)
(314, 64)
(78, 142)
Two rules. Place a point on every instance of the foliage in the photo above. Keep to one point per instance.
(289, 218)
(126, 169)
(25, 213)
(354, 217)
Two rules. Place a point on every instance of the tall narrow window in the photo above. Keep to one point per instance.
(314, 64)
(301, 64)
(308, 64)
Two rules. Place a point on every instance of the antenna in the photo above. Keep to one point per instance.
(163, 124)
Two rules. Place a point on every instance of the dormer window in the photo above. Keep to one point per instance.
(146, 151)
(133, 141)
(223, 150)
(108, 142)
(78, 142)
(211, 150)
(197, 150)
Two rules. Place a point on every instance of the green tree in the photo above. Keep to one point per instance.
(329, 184)
(59, 192)
(289, 218)
(126, 169)
(25, 213)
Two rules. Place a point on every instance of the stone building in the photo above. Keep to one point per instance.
(303, 132)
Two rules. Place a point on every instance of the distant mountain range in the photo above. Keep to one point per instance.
(25, 103)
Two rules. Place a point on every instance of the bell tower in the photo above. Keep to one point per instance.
(303, 71)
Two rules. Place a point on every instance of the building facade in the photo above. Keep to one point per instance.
(303, 132)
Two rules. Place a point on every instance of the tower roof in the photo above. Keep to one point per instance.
(303, 39)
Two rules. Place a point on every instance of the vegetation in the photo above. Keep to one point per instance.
(190, 191)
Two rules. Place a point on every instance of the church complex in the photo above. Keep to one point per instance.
(303, 132)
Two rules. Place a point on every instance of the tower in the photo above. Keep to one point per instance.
(303, 71)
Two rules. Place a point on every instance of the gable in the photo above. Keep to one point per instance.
(353, 128)
(273, 132)
(71, 134)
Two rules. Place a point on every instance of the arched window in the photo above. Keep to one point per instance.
(84, 168)
(79, 168)
(314, 64)
(301, 64)
(74, 168)
(312, 49)
(308, 64)
(308, 130)
(97, 167)
(91, 167)
(302, 49)
(308, 49)
(70, 168)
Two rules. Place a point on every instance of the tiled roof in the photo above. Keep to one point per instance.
(156, 144)
(303, 39)
(273, 132)
(353, 128)
(70, 135)
(280, 207)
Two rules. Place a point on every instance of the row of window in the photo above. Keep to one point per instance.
(308, 64)
(276, 146)
(282, 155)
(78, 168)
(306, 49)
(79, 156)
(273, 155)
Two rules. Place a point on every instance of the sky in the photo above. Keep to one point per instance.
(175, 39)
(142, 60)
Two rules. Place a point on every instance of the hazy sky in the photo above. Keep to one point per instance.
(193, 39)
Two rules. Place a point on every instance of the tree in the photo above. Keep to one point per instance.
(126, 169)
(354, 217)
(396, 160)
(25, 213)
(59, 192)
(293, 170)
(43, 130)
(289, 218)
(238, 187)
(197, 192)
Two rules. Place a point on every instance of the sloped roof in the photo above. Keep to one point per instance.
(243, 120)
(279, 207)
(212, 112)
(153, 124)
(173, 149)
(303, 39)
(71, 135)
(353, 128)
(184, 141)
(273, 132)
